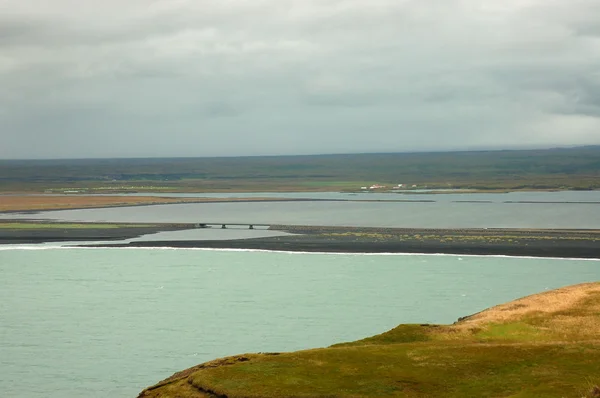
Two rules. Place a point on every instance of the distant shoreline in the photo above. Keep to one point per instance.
(557, 243)
(86, 202)
(18, 203)
(315, 239)
(589, 251)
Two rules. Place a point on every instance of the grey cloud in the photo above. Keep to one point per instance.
(240, 77)
(583, 99)
(341, 100)
(16, 31)
(575, 88)
(579, 16)
(221, 109)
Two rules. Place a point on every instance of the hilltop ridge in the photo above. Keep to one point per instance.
(543, 345)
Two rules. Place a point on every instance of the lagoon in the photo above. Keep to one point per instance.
(109, 322)
(351, 213)
(554, 210)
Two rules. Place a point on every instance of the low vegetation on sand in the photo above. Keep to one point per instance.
(37, 225)
(10, 225)
(38, 203)
(30, 203)
(545, 345)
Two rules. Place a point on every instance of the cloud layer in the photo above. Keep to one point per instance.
(249, 77)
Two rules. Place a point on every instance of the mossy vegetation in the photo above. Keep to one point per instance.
(473, 236)
(35, 231)
(490, 237)
(550, 169)
(23, 225)
(64, 225)
(19, 203)
(545, 345)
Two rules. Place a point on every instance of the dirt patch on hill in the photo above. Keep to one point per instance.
(550, 302)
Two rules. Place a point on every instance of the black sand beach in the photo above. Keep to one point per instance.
(314, 245)
(92, 232)
(509, 242)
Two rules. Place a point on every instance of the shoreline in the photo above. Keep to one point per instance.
(157, 201)
(507, 349)
(267, 244)
(558, 243)
(409, 191)
(547, 243)
(44, 203)
(49, 231)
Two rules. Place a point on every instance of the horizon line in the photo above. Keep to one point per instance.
(506, 149)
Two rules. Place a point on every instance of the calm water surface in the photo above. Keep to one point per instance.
(108, 322)
(570, 209)
(369, 214)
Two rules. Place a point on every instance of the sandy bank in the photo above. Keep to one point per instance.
(36, 203)
(509, 242)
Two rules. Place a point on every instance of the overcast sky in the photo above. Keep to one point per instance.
(119, 78)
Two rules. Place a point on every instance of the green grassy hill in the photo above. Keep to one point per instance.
(545, 345)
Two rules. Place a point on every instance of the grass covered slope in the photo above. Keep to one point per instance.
(544, 345)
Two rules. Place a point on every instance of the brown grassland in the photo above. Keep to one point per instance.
(544, 345)
(41, 202)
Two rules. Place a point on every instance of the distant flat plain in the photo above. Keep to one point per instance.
(548, 169)
(470, 192)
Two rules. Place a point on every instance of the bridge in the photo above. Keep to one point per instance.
(225, 225)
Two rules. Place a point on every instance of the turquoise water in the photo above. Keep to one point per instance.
(109, 322)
